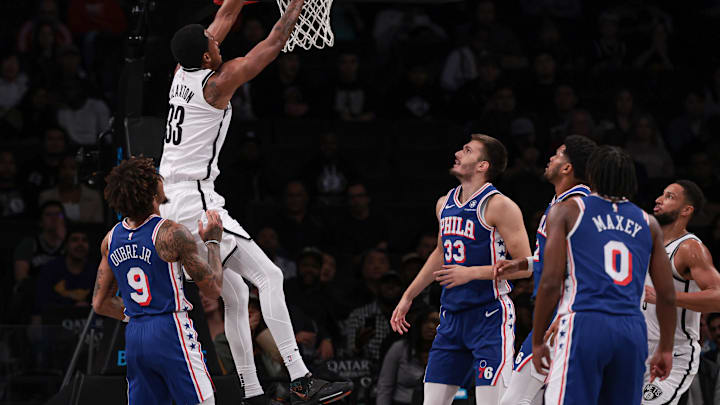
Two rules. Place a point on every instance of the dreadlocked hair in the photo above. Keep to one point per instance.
(578, 149)
(611, 173)
(131, 187)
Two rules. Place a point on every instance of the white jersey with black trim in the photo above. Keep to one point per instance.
(195, 130)
(688, 322)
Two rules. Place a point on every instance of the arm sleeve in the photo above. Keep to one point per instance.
(388, 373)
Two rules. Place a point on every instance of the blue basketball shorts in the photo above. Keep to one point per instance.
(598, 359)
(165, 361)
(476, 343)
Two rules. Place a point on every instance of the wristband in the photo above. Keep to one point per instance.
(212, 241)
(530, 262)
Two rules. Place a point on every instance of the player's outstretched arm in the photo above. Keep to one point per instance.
(225, 19)
(661, 275)
(234, 73)
(549, 289)
(175, 243)
(104, 300)
(423, 279)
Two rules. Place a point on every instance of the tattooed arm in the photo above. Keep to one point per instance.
(175, 243)
(236, 72)
(104, 300)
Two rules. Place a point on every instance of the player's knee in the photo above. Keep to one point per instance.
(272, 277)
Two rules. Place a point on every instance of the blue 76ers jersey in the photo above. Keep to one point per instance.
(541, 237)
(468, 241)
(609, 250)
(148, 285)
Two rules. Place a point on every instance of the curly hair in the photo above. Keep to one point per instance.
(131, 187)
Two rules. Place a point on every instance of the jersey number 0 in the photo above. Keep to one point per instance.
(176, 116)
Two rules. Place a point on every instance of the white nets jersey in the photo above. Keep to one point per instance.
(195, 130)
(688, 322)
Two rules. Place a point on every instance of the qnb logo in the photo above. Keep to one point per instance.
(485, 372)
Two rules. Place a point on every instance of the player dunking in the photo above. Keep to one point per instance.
(697, 286)
(198, 119)
(142, 256)
(597, 254)
(565, 171)
(478, 226)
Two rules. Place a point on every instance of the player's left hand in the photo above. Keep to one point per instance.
(650, 296)
(660, 365)
(214, 228)
(541, 358)
(453, 275)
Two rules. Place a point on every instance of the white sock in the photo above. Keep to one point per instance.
(439, 394)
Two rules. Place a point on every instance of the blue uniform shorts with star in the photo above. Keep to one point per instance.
(475, 343)
(165, 361)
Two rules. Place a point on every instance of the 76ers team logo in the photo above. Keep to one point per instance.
(485, 372)
(473, 203)
(651, 391)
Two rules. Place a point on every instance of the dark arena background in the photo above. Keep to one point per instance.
(333, 161)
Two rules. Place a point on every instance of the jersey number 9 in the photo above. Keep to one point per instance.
(137, 279)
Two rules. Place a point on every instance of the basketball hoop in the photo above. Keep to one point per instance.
(313, 25)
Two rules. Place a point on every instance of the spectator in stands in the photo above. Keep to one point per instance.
(564, 103)
(475, 95)
(713, 323)
(81, 203)
(657, 57)
(609, 51)
(374, 265)
(36, 108)
(360, 228)
(70, 68)
(13, 82)
(539, 93)
(82, 116)
(461, 65)
(12, 197)
(352, 98)
(497, 38)
(368, 326)
(403, 367)
(701, 171)
(329, 172)
(416, 96)
(498, 115)
(581, 122)
(41, 55)
(550, 40)
(309, 294)
(47, 11)
(689, 129)
(41, 171)
(267, 239)
(296, 226)
(34, 252)
(66, 281)
(712, 93)
(328, 269)
(617, 126)
(426, 243)
(646, 146)
(285, 93)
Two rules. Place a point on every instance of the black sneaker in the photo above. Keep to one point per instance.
(313, 390)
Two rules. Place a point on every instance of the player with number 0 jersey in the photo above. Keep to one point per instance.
(597, 254)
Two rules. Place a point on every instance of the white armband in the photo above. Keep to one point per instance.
(531, 262)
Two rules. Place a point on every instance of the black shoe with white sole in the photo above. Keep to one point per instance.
(313, 390)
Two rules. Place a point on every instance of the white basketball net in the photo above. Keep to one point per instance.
(313, 25)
